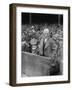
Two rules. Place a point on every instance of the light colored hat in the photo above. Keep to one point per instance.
(33, 41)
(46, 30)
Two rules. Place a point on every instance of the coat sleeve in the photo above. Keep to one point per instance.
(41, 47)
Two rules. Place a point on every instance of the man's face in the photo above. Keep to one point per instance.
(46, 34)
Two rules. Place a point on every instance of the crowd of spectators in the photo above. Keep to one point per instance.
(36, 30)
(32, 34)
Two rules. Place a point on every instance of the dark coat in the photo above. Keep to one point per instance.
(51, 49)
(47, 48)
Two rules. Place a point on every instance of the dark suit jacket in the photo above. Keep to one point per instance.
(49, 48)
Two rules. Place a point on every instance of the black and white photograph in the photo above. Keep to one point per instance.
(41, 44)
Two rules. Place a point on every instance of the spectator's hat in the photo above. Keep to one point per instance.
(33, 41)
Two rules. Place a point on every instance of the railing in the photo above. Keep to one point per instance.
(35, 65)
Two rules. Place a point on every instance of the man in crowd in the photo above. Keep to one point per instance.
(48, 47)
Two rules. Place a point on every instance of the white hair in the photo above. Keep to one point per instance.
(46, 30)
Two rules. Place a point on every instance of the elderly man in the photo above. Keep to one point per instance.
(47, 46)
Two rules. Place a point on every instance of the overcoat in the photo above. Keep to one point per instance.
(48, 48)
